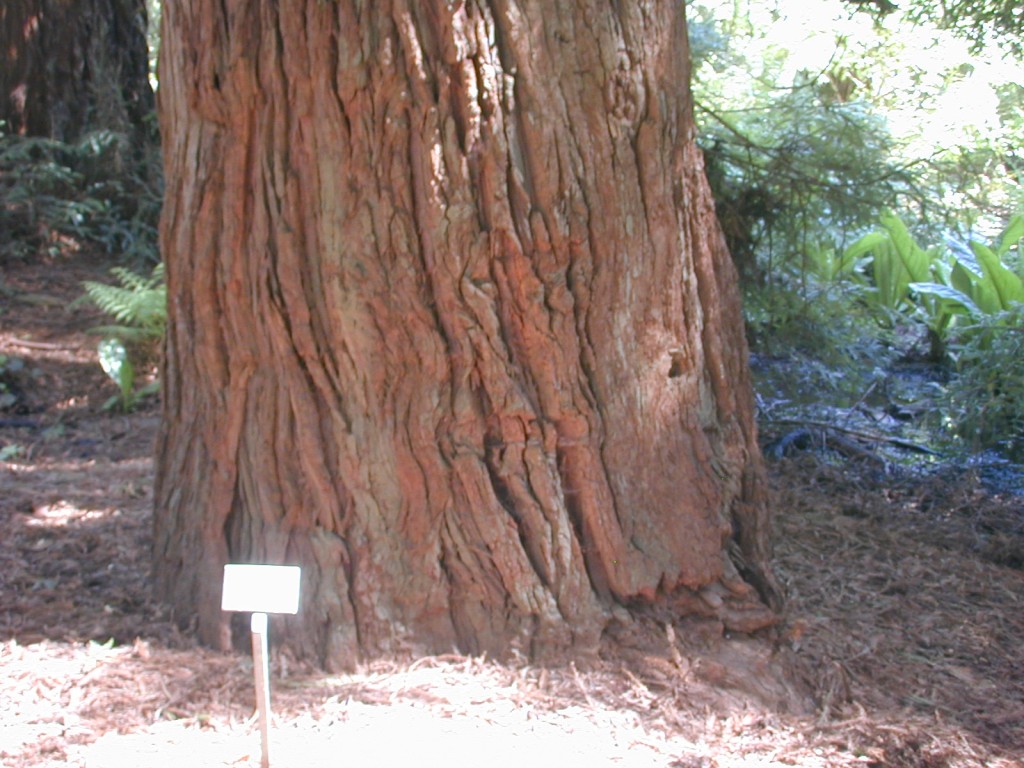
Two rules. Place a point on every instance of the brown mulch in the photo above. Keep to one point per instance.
(906, 593)
(901, 645)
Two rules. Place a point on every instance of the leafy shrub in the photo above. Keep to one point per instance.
(985, 400)
(803, 149)
(56, 196)
(981, 274)
(970, 296)
(792, 170)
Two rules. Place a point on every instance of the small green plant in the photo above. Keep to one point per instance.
(115, 361)
(11, 451)
(985, 400)
(831, 266)
(139, 304)
(890, 262)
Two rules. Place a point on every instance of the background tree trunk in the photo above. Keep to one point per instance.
(451, 325)
(74, 65)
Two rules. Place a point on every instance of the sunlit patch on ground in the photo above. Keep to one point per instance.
(97, 706)
(62, 513)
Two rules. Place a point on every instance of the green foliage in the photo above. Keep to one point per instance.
(898, 261)
(985, 400)
(114, 360)
(56, 197)
(973, 180)
(803, 149)
(139, 304)
(968, 296)
(979, 21)
(824, 330)
(938, 285)
(793, 169)
(11, 451)
(830, 266)
(972, 302)
(798, 159)
(812, 120)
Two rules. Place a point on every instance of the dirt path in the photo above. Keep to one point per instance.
(903, 637)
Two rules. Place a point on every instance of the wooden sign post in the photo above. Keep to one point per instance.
(261, 589)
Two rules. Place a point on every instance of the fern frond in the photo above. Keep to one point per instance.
(139, 302)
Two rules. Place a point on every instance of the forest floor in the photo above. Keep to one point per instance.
(902, 643)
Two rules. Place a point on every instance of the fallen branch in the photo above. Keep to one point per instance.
(45, 345)
(873, 437)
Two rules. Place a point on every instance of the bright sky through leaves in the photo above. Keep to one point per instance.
(935, 88)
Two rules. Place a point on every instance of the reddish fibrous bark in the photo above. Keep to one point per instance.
(452, 326)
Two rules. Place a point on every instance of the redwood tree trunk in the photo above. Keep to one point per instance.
(452, 326)
(73, 65)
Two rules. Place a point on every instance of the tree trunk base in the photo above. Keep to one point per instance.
(698, 659)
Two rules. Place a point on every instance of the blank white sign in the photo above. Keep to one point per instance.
(261, 588)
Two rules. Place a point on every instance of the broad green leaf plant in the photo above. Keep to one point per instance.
(971, 297)
(972, 281)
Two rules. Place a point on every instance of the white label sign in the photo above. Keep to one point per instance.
(261, 588)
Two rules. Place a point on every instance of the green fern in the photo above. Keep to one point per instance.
(55, 195)
(139, 304)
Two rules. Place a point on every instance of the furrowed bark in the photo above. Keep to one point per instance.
(452, 326)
